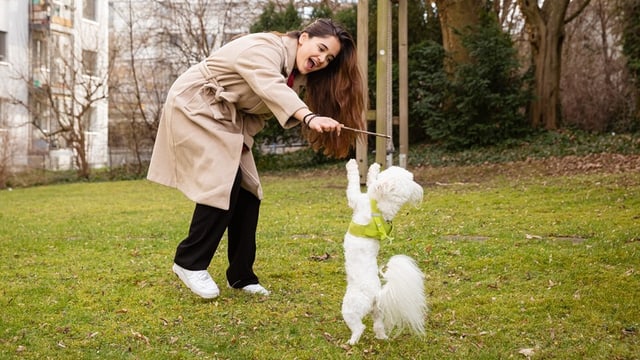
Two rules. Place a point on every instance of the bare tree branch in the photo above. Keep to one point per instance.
(578, 11)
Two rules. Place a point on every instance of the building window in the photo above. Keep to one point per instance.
(90, 62)
(3, 46)
(89, 9)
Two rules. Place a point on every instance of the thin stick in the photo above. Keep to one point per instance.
(367, 132)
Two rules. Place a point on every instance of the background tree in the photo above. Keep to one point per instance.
(188, 27)
(276, 17)
(631, 47)
(322, 10)
(428, 88)
(507, 15)
(594, 80)
(63, 107)
(138, 85)
(6, 150)
(546, 29)
(482, 102)
(455, 17)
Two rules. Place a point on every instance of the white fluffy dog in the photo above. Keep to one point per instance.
(401, 301)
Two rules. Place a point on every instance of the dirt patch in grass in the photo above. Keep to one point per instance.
(465, 238)
(429, 176)
(530, 168)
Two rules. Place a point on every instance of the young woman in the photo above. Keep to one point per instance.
(206, 132)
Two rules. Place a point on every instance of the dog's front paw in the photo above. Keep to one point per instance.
(372, 173)
(352, 165)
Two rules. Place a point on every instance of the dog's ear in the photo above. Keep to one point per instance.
(402, 190)
(415, 192)
(379, 190)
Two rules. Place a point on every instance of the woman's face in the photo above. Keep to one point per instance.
(315, 53)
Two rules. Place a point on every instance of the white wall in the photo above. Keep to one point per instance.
(14, 21)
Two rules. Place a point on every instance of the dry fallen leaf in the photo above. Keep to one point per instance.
(629, 272)
(529, 352)
(139, 336)
(324, 257)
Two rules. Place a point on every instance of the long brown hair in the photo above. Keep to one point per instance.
(335, 91)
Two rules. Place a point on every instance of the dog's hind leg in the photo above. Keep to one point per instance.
(354, 322)
(354, 309)
(378, 322)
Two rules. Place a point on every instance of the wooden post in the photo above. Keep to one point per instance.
(363, 50)
(403, 83)
(382, 66)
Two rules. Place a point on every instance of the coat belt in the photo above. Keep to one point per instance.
(223, 103)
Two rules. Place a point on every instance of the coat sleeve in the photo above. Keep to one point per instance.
(260, 65)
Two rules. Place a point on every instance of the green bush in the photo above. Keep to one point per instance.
(483, 102)
(277, 20)
(428, 88)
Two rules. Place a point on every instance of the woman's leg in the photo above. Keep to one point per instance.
(242, 240)
(208, 225)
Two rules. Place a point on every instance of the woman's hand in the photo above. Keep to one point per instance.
(318, 123)
(324, 124)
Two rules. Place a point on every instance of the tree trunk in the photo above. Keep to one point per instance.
(455, 16)
(546, 34)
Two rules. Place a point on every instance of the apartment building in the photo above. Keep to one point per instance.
(53, 71)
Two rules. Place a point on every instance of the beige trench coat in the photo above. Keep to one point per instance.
(217, 106)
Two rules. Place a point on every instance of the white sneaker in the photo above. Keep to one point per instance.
(255, 289)
(200, 282)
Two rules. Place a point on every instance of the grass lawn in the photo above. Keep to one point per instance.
(538, 267)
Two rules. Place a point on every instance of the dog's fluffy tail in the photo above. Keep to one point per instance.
(402, 300)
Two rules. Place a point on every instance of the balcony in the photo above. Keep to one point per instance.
(40, 16)
(44, 13)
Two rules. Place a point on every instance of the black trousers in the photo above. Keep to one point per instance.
(208, 225)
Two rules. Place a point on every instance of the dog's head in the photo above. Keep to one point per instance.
(393, 188)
